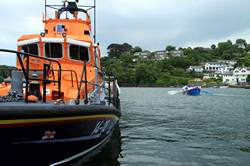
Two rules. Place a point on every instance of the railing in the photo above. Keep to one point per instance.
(112, 98)
(26, 71)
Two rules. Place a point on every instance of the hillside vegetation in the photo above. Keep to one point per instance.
(132, 71)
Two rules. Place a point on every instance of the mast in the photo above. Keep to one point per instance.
(45, 10)
(94, 21)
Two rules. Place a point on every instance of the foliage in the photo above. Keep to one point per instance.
(116, 50)
(241, 42)
(5, 71)
(1, 79)
(136, 49)
(122, 63)
(248, 78)
(170, 48)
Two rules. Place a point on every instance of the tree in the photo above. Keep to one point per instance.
(1, 79)
(222, 46)
(136, 49)
(188, 51)
(170, 48)
(145, 74)
(125, 47)
(241, 43)
(227, 54)
(248, 47)
(248, 78)
(213, 46)
(116, 50)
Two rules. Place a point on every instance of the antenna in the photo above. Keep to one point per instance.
(45, 10)
(94, 21)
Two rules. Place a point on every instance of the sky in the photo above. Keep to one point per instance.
(150, 24)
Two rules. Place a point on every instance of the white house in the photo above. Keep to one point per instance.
(224, 69)
(160, 55)
(197, 69)
(228, 78)
(143, 54)
(214, 66)
(207, 76)
(228, 62)
(175, 53)
(238, 76)
(241, 74)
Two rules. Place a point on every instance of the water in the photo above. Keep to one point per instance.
(159, 129)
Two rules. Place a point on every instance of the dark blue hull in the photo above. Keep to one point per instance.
(194, 92)
(47, 138)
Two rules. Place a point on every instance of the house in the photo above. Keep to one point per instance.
(160, 55)
(241, 73)
(237, 76)
(142, 55)
(213, 66)
(224, 69)
(175, 53)
(228, 62)
(210, 75)
(228, 78)
(197, 69)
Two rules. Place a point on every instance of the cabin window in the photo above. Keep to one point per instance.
(79, 53)
(53, 50)
(31, 49)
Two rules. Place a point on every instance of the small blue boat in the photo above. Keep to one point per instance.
(191, 90)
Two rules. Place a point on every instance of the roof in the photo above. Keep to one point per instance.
(196, 67)
(228, 73)
(217, 63)
(240, 68)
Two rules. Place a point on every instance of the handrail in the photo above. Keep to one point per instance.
(26, 71)
(45, 81)
(37, 79)
(86, 82)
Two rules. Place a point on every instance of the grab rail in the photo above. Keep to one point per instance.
(27, 70)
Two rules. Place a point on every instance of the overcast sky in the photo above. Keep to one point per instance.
(150, 24)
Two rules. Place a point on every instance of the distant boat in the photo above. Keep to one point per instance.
(191, 90)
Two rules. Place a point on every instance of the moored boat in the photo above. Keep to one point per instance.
(58, 103)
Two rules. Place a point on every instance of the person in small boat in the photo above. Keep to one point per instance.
(186, 88)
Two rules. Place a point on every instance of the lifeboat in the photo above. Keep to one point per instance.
(58, 103)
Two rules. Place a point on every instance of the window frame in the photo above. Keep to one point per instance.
(38, 49)
(44, 50)
(88, 48)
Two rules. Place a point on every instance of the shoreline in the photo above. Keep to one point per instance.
(158, 86)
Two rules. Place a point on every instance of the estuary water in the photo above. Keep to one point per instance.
(161, 129)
